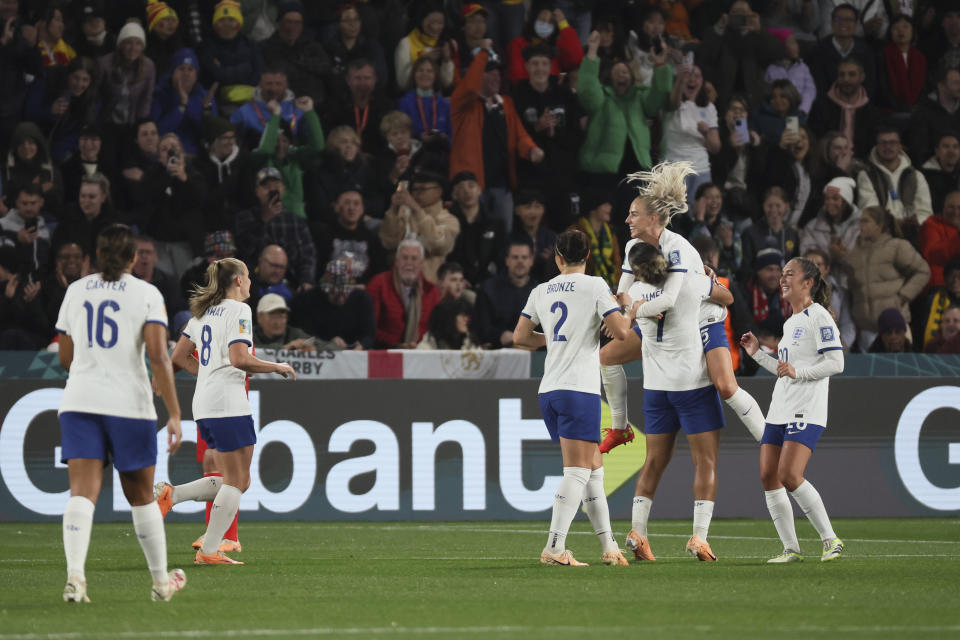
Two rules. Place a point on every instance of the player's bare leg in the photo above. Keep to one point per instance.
(704, 452)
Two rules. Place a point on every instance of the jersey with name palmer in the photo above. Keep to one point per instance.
(105, 321)
(806, 336)
(570, 309)
(673, 357)
(221, 387)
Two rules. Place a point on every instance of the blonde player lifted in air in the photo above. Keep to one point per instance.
(570, 308)
(808, 354)
(221, 330)
(105, 321)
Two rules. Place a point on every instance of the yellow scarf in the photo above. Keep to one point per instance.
(602, 252)
(419, 41)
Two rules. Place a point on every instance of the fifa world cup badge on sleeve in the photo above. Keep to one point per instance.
(826, 334)
(674, 258)
(244, 325)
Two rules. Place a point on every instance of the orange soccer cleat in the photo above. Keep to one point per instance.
(614, 558)
(640, 547)
(564, 559)
(213, 558)
(163, 492)
(616, 437)
(229, 546)
(700, 549)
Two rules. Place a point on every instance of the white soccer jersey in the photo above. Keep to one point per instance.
(673, 357)
(105, 320)
(571, 308)
(221, 387)
(806, 335)
(680, 254)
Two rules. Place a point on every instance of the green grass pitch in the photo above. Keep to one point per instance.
(897, 579)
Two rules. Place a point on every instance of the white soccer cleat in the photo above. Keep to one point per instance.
(831, 550)
(163, 592)
(786, 557)
(75, 591)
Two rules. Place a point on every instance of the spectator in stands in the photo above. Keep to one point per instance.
(403, 299)
(349, 44)
(271, 94)
(605, 258)
(345, 166)
(836, 159)
(936, 113)
(940, 238)
(337, 309)
(802, 183)
(429, 111)
(847, 107)
(399, 159)
(645, 45)
(136, 160)
(505, 22)
(502, 297)
(836, 227)
(891, 182)
(20, 62)
(29, 161)
(273, 331)
(613, 39)
(948, 338)
(740, 164)
(677, 18)
(93, 211)
(277, 149)
(94, 40)
(347, 237)
(179, 102)
(944, 43)
(71, 263)
(793, 68)
(230, 59)
(479, 242)
(839, 43)
(885, 272)
(782, 102)
(126, 78)
(772, 230)
(25, 229)
(216, 246)
(259, 18)
(529, 209)
(270, 275)
(453, 285)
(869, 18)
(736, 52)
(304, 59)
(487, 130)
(891, 334)
(449, 327)
(690, 127)
(709, 220)
(546, 25)
(426, 39)
(551, 115)
(839, 299)
(905, 65)
(470, 37)
(54, 50)
(761, 291)
(227, 172)
(269, 223)
(419, 213)
(363, 107)
(145, 268)
(23, 323)
(942, 170)
(164, 37)
(88, 158)
(64, 102)
(941, 299)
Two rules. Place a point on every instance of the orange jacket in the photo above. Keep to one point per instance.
(466, 114)
(939, 242)
(728, 328)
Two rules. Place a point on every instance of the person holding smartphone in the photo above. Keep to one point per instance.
(24, 229)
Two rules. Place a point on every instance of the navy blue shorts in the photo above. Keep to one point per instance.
(694, 411)
(227, 434)
(802, 432)
(574, 415)
(130, 442)
(714, 336)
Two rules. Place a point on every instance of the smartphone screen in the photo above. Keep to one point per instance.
(793, 124)
(740, 128)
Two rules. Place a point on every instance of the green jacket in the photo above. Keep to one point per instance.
(297, 161)
(614, 118)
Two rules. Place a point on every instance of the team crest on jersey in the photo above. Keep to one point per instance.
(826, 334)
(798, 333)
(244, 325)
(674, 257)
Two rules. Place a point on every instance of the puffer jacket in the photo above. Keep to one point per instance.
(818, 233)
(886, 273)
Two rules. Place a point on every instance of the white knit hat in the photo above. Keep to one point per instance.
(845, 186)
(132, 30)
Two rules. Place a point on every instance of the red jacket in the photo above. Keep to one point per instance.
(389, 311)
(467, 111)
(569, 55)
(939, 242)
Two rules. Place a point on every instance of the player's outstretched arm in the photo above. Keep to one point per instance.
(242, 359)
(721, 295)
(524, 337)
(155, 337)
(65, 352)
(183, 355)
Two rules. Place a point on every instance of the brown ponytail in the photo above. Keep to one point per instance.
(648, 264)
(220, 275)
(820, 291)
(116, 249)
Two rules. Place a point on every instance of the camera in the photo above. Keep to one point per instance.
(173, 157)
(273, 195)
(30, 225)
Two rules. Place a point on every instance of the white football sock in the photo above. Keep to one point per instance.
(615, 388)
(77, 525)
(748, 411)
(148, 523)
(641, 514)
(809, 500)
(565, 504)
(781, 512)
(225, 506)
(595, 504)
(702, 515)
(202, 490)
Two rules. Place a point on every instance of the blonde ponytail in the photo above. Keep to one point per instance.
(220, 275)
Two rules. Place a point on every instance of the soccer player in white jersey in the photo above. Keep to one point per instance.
(808, 354)
(221, 330)
(571, 308)
(677, 394)
(663, 195)
(106, 320)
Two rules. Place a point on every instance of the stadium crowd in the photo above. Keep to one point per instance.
(395, 172)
